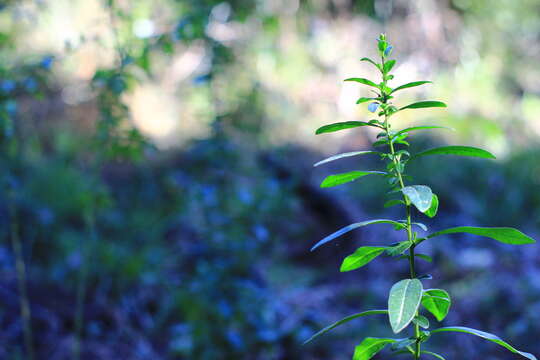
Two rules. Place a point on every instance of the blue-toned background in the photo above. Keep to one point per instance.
(156, 169)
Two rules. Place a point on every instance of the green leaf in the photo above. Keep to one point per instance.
(342, 126)
(361, 257)
(457, 150)
(348, 154)
(399, 249)
(421, 321)
(348, 228)
(389, 65)
(370, 347)
(403, 302)
(393, 202)
(432, 354)
(363, 81)
(345, 320)
(487, 336)
(432, 211)
(503, 234)
(410, 85)
(415, 128)
(437, 302)
(420, 195)
(338, 179)
(371, 61)
(424, 104)
(424, 257)
(364, 99)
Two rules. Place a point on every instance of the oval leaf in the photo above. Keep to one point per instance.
(457, 150)
(348, 154)
(421, 321)
(437, 302)
(348, 228)
(503, 234)
(370, 347)
(341, 126)
(424, 104)
(403, 302)
(361, 257)
(487, 336)
(419, 195)
(345, 320)
(363, 81)
(371, 61)
(338, 179)
(410, 85)
(389, 65)
(432, 211)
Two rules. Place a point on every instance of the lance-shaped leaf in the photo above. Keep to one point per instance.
(420, 195)
(424, 104)
(432, 211)
(365, 99)
(345, 320)
(371, 61)
(370, 347)
(403, 302)
(503, 234)
(437, 302)
(361, 257)
(348, 228)
(416, 128)
(341, 126)
(343, 155)
(457, 150)
(338, 179)
(363, 81)
(410, 85)
(432, 354)
(487, 336)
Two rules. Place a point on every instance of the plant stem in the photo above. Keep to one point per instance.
(412, 270)
(21, 281)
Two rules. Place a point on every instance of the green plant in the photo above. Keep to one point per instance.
(407, 297)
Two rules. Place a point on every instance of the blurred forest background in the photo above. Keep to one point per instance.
(158, 196)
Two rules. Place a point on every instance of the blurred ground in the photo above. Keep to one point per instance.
(158, 155)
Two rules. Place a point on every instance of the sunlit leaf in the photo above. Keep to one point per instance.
(344, 155)
(403, 302)
(370, 347)
(389, 65)
(345, 320)
(409, 85)
(503, 234)
(348, 228)
(371, 61)
(361, 257)
(487, 336)
(420, 195)
(364, 99)
(457, 150)
(432, 211)
(342, 126)
(437, 302)
(363, 81)
(343, 178)
(424, 104)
